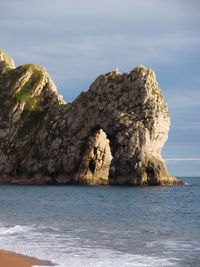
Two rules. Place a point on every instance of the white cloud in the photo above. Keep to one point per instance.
(77, 40)
(147, 32)
(158, 10)
(179, 99)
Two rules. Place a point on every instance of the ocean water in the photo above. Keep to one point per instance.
(82, 226)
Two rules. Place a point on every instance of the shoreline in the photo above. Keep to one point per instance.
(12, 259)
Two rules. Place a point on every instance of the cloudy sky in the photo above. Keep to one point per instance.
(78, 40)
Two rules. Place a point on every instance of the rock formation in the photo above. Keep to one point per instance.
(111, 134)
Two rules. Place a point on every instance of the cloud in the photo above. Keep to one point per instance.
(158, 10)
(78, 40)
(179, 100)
(80, 36)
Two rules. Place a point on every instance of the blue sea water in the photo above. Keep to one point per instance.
(107, 226)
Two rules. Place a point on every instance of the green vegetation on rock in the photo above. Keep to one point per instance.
(24, 94)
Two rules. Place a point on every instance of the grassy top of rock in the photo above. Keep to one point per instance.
(6, 62)
(26, 93)
(23, 85)
(32, 78)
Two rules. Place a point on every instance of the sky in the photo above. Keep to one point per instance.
(78, 40)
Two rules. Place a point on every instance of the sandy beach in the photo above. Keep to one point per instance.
(11, 259)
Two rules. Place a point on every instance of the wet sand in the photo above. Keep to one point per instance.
(11, 259)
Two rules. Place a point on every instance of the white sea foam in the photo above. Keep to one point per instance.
(110, 258)
(73, 249)
(14, 229)
(173, 244)
(65, 250)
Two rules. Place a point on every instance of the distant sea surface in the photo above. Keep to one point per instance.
(82, 226)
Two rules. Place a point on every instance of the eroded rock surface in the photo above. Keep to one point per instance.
(111, 134)
(96, 159)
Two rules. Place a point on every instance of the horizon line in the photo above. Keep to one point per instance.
(182, 159)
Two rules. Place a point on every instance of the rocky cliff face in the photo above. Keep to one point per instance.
(111, 134)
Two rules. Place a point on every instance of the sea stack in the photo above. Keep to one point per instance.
(111, 134)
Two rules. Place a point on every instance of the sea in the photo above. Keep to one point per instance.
(103, 226)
